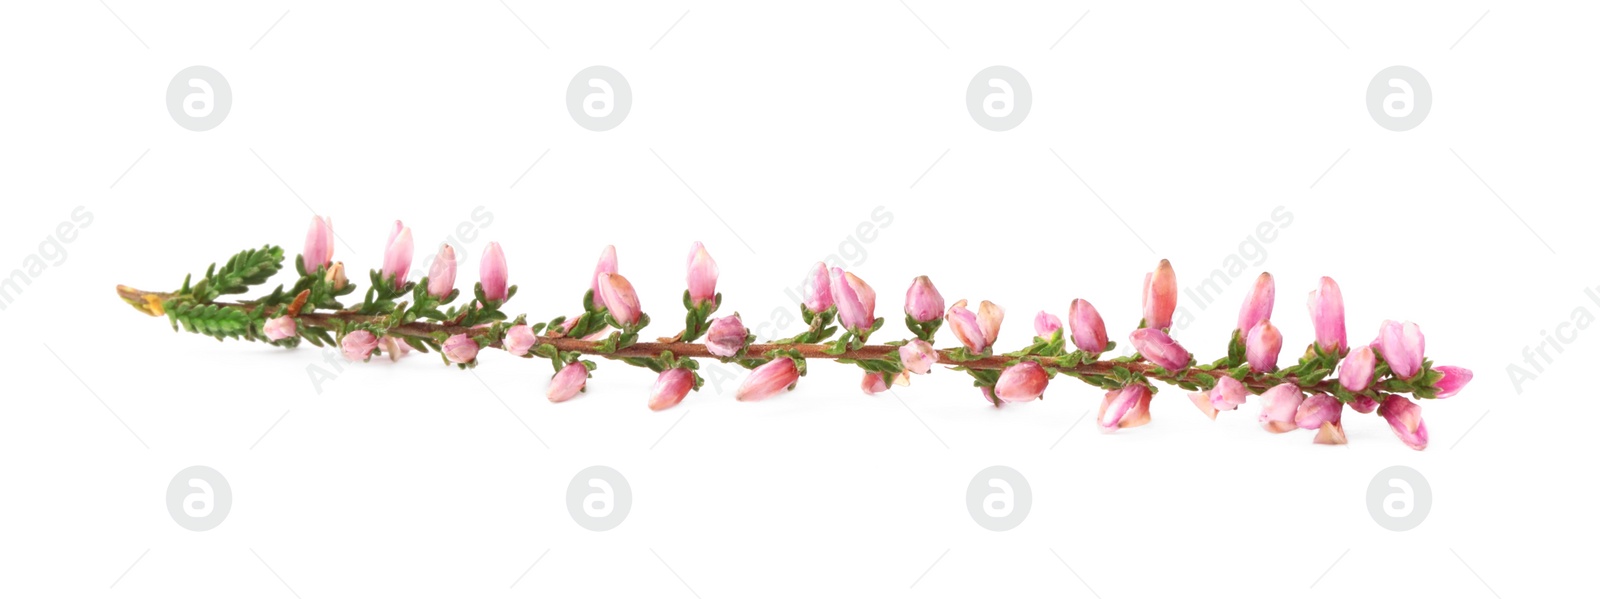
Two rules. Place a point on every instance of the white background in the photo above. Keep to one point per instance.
(792, 123)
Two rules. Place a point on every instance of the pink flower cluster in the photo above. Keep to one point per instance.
(1370, 378)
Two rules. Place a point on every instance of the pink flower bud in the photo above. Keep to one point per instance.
(1203, 402)
(1319, 409)
(318, 251)
(873, 383)
(1327, 315)
(519, 339)
(358, 345)
(1355, 371)
(567, 382)
(460, 349)
(671, 387)
(1364, 404)
(918, 356)
(1258, 305)
(1088, 330)
(1402, 346)
(1159, 348)
(1261, 347)
(855, 299)
(607, 265)
(1124, 408)
(336, 277)
(1045, 324)
(1160, 296)
(442, 275)
(976, 331)
(492, 272)
(397, 255)
(702, 274)
(280, 328)
(394, 347)
(819, 295)
(1331, 433)
(923, 302)
(620, 299)
(1406, 420)
(768, 380)
(1024, 381)
(726, 336)
(1279, 406)
(1455, 377)
(1228, 394)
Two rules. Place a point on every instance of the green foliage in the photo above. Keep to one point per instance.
(246, 268)
(220, 322)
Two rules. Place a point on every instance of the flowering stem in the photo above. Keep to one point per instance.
(839, 309)
(1255, 382)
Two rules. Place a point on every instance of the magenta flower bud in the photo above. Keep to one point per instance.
(1319, 409)
(1402, 346)
(397, 255)
(1406, 420)
(918, 356)
(1228, 394)
(358, 345)
(1455, 377)
(1160, 296)
(318, 251)
(819, 294)
(1159, 348)
(702, 274)
(1124, 408)
(1024, 381)
(519, 339)
(460, 349)
(768, 380)
(726, 336)
(1327, 315)
(1364, 404)
(442, 274)
(1261, 347)
(923, 302)
(567, 383)
(607, 265)
(671, 387)
(855, 299)
(1088, 330)
(1258, 305)
(976, 331)
(283, 327)
(1279, 406)
(873, 383)
(492, 272)
(620, 299)
(1355, 371)
(1045, 324)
